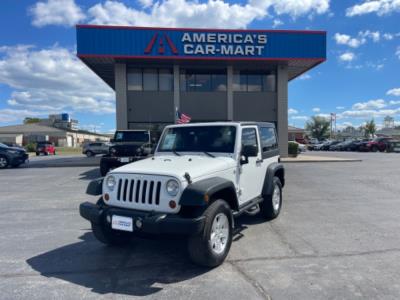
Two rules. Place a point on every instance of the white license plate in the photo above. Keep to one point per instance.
(124, 159)
(397, 149)
(122, 223)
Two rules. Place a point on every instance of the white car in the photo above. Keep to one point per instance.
(200, 178)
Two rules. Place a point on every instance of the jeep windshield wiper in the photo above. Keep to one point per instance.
(208, 153)
(176, 153)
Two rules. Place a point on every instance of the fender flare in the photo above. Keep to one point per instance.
(199, 193)
(271, 171)
(95, 187)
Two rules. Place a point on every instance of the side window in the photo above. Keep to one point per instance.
(249, 137)
(268, 139)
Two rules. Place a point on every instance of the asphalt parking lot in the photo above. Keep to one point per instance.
(338, 237)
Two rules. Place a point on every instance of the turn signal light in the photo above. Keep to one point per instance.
(172, 204)
(106, 197)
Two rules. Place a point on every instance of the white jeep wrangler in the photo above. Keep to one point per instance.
(201, 177)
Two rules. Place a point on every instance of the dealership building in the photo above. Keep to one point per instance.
(208, 74)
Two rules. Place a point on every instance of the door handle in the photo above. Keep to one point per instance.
(259, 161)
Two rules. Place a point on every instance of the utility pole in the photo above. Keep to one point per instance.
(333, 125)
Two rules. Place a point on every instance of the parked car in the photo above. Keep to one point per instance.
(393, 146)
(12, 156)
(13, 145)
(301, 147)
(45, 148)
(325, 146)
(200, 178)
(343, 146)
(377, 144)
(128, 146)
(92, 149)
(355, 145)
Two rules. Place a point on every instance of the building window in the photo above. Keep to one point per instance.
(166, 80)
(246, 81)
(135, 82)
(149, 79)
(203, 80)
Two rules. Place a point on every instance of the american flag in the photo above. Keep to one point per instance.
(181, 118)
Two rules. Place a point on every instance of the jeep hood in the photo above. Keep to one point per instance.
(177, 166)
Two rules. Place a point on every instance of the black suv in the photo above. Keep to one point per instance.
(11, 156)
(128, 146)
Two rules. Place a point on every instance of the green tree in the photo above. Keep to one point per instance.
(28, 120)
(319, 127)
(370, 128)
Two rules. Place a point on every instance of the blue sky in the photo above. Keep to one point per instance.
(39, 73)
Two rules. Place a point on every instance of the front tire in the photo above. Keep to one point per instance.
(211, 246)
(89, 153)
(3, 162)
(271, 206)
(108, 236)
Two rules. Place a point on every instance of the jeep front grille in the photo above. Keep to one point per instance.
(139, 191)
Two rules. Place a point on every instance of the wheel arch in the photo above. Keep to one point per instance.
(274, 170)
(204, 192)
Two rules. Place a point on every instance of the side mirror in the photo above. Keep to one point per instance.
(244, 160)
(250, 150)
(112, 140)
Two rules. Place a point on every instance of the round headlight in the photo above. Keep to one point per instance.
(111, 182)
(113, 150)
(172, 187)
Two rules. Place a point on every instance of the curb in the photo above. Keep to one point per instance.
(320, 161)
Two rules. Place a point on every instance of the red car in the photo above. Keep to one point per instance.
(46, 148)
(377, 144)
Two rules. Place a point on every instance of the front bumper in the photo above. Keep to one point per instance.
(152, 223)
(20, 159)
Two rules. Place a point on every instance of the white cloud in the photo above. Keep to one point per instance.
(388, 36)
(305, 76)
(375, 36)
(344, 39)
(146, 3)
(12, 115)
(52, 79)
(361, 38)
(367, 114)
(276, 23)
(316, 109)
(393, 102)
(326, 116)
(380, 7)
(212, 13)
(371, 104)
(340, 107)
(398, 52)
(300, 118)
(347, 56)
(56, 12)
(292, 111)
(393, 92)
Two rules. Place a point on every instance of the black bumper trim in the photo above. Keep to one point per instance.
(152, 223)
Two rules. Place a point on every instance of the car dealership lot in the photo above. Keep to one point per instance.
(338, 236)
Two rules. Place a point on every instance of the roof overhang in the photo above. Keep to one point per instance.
(100, 47)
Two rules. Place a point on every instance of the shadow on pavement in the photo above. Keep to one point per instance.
(139, 269)
(62, 161)
(90, 174)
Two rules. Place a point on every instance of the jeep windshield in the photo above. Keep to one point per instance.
(199, 139)
(132, 136)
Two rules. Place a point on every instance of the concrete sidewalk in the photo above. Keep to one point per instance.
(304, 158)
(62, 161)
